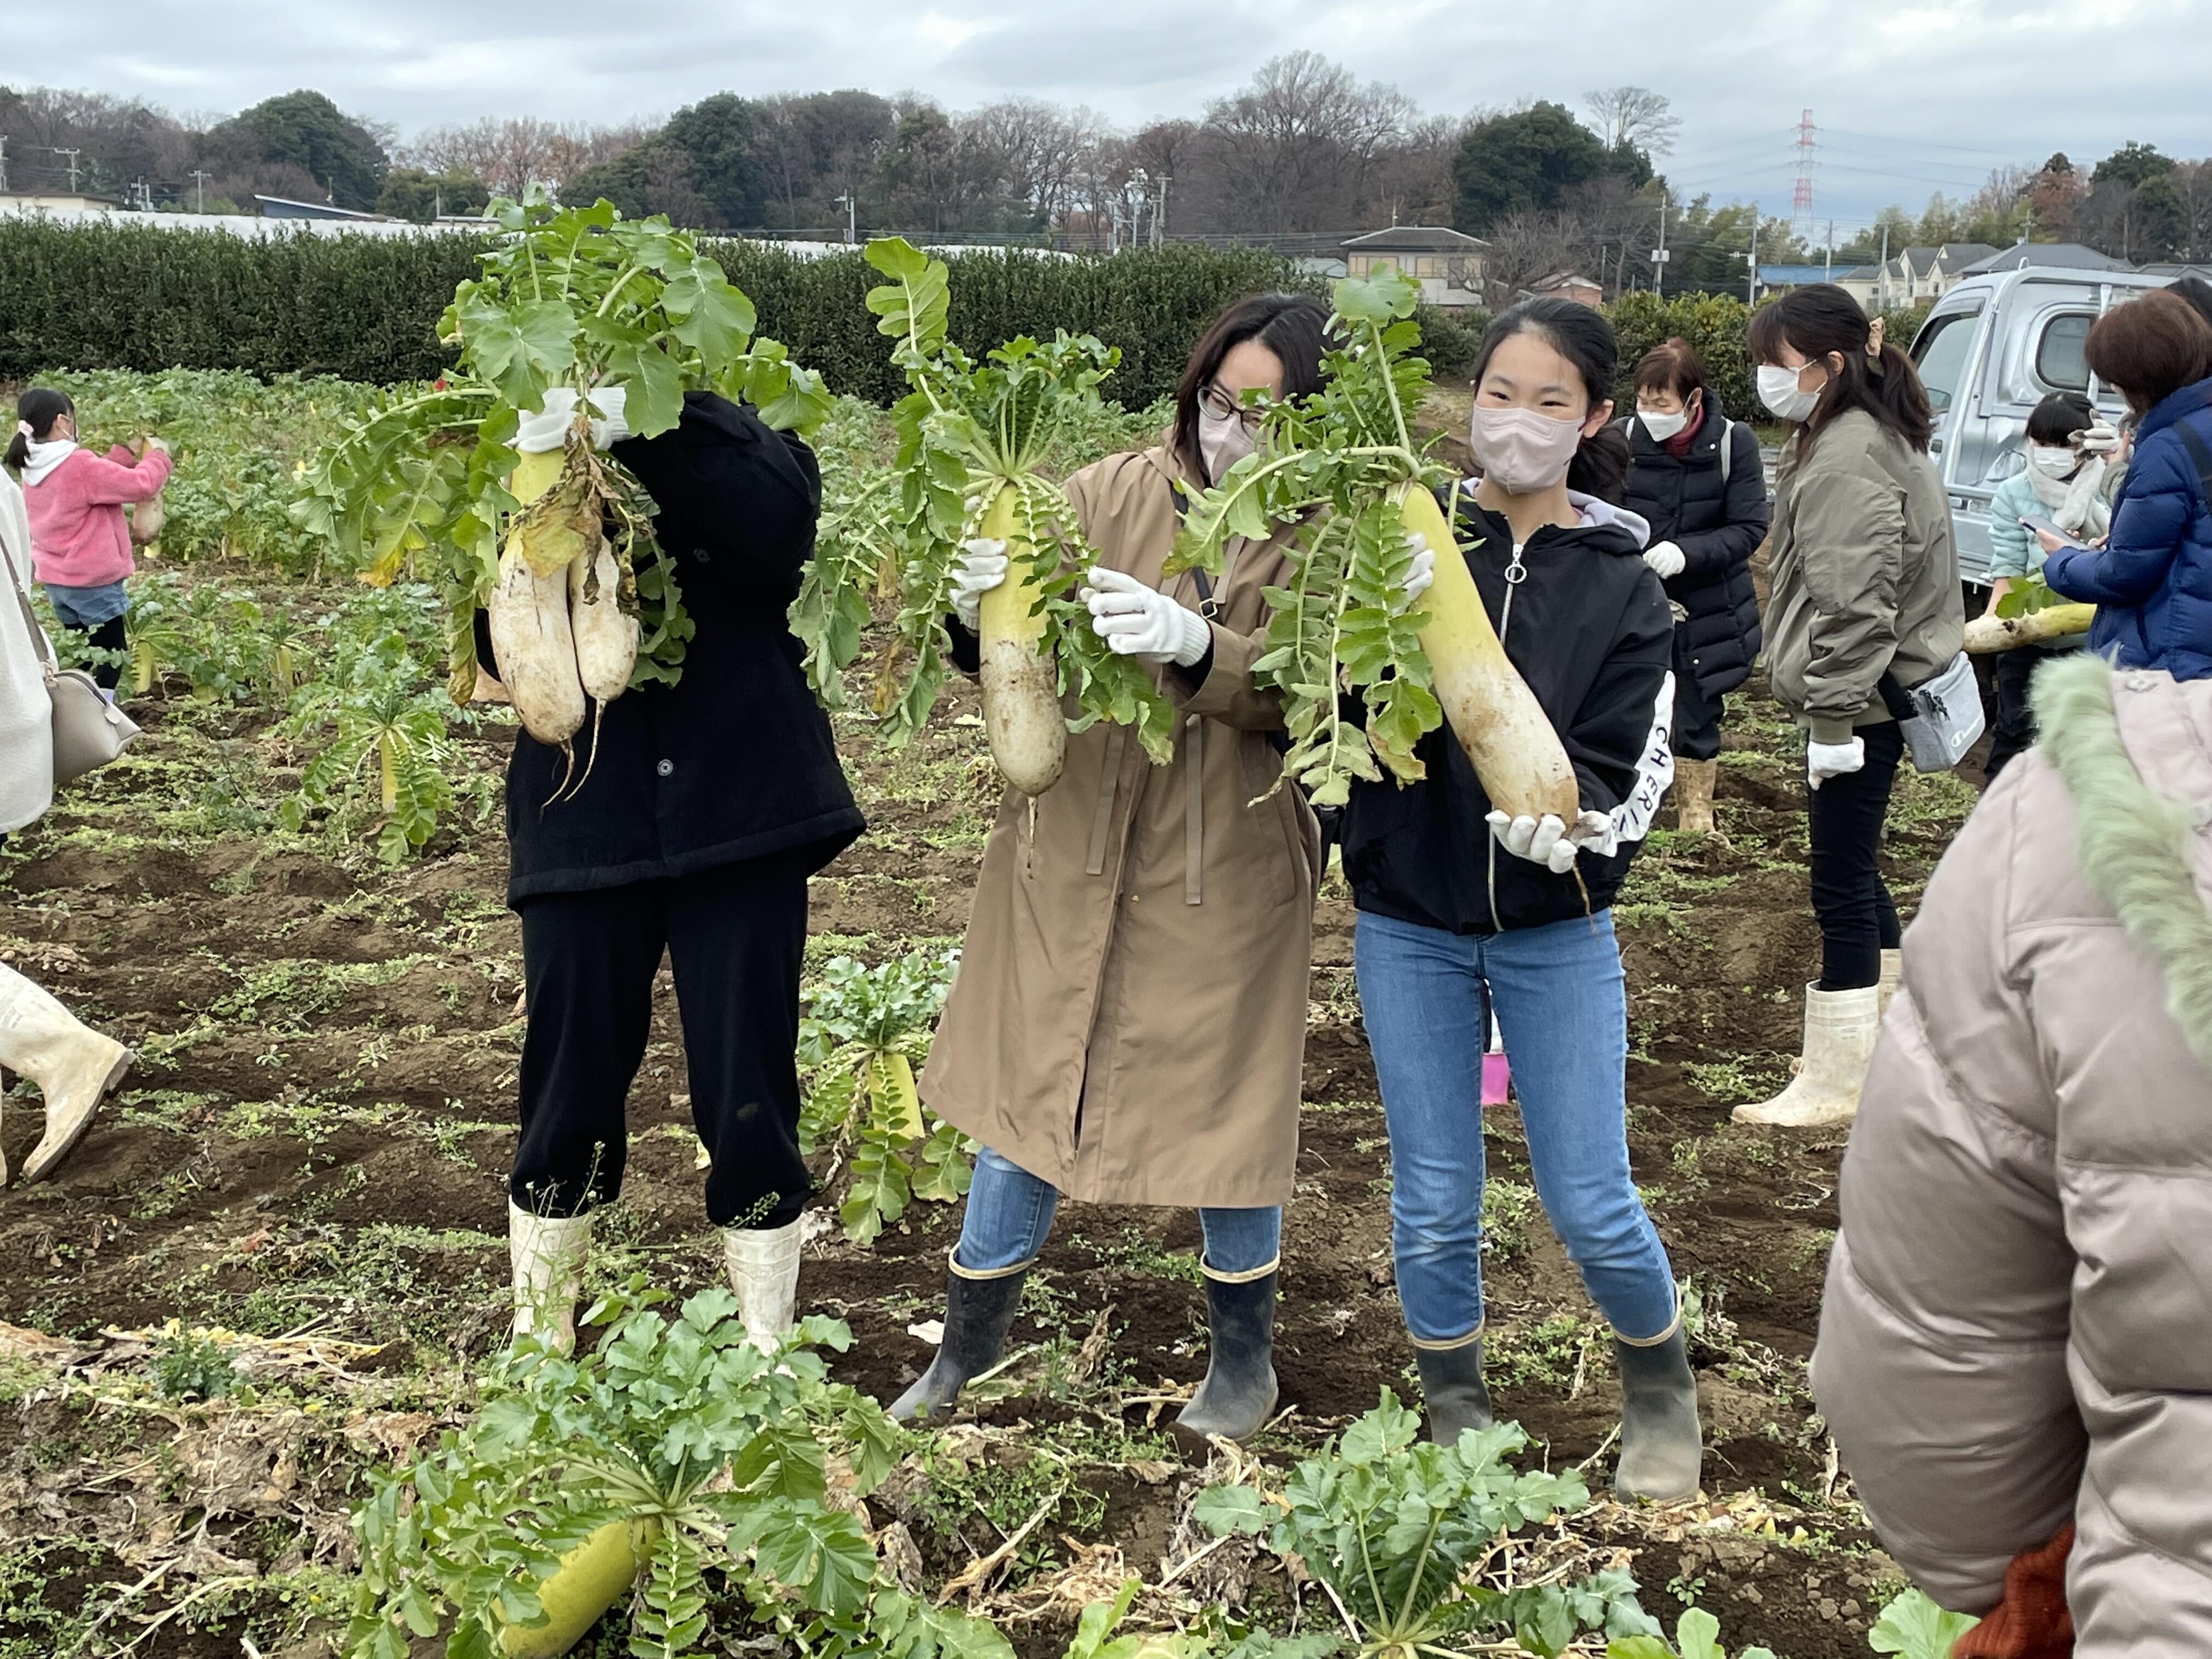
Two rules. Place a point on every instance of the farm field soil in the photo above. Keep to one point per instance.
(311, 1154)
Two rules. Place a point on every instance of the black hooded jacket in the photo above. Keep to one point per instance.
(735, 761)
(1590, 633)
(1718, 523)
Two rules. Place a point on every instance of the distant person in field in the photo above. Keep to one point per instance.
(1128, 1022)
(707, 805)
(1465, 911)
(80, 539)
(2063, 481)
(2152, 579)
(2015, 1348)
(1863, 604)
(73, 1065)
(1696, 477)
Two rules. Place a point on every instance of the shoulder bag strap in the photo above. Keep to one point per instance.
(2201, 453)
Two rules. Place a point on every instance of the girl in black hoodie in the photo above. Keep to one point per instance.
(1463, 910)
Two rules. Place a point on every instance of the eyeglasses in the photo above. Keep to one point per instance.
(1224, 406)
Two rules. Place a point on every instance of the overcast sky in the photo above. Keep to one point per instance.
(1907, 98)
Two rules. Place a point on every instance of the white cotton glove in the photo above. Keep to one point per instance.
(1141, 622)
(1824, 761)
(548, 428)
(1423, 576)
(2100, 438)
(1667, 561)
(1552, 844)
(982, 567)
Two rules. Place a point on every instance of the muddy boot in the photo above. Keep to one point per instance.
(547, 1255)
(73, 1065)
(764, 1267)
(1694, 781)
(1238, 1395)
(1662, 1447)
(1839, 1033)
(1893, 975)
(1453, 1390)
(978, 1314)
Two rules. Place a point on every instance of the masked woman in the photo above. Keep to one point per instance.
(1465, 912)
(1129, 1017)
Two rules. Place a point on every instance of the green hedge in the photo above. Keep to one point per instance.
(97, 296)
(1714, 325)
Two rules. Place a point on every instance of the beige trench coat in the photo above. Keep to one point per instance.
(1129, 1021)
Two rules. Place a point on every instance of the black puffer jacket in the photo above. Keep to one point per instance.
(1591, 633)
(735, 761)
(1718, 526)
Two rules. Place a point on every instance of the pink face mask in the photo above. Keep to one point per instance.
(1521, 451)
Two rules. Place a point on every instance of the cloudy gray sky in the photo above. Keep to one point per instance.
(1908, 98)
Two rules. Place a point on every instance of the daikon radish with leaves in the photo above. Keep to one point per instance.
(1986, 635)
(593, 1576)
(1340, 464)
(1021, 696)
(528, 608)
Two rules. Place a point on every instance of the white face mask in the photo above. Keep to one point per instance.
(1223, 440)
(2052, 463)
(1520, 450)
(1778, 390)
(1663, 427)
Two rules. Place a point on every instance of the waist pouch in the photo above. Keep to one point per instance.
(1941, 718)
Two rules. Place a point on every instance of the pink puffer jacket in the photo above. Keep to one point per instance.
(78, 534)
(2018, 1326)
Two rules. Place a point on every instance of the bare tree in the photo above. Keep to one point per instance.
(1297, 146)
(1527, 246)
(1634, 116)
(510, 155)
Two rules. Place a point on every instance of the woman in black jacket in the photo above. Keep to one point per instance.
(1462, 909)
(709, 804)
(1696, 477)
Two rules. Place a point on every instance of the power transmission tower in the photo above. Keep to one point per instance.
(1801, 197)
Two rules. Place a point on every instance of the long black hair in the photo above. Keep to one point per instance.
(1582, 336)
(1820, 320)
(1294, 326)
(38, 409)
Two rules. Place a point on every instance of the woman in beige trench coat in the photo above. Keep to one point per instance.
(1129, 1018)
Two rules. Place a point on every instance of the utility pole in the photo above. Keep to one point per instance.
(3, 160)
(851, 216)
(1751, 285)
(1884, 279)
(1659, 253)
(71, 154)
(199, 185)
(1829, 275)
(1160, 215)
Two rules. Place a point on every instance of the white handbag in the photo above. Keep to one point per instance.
(88, 730)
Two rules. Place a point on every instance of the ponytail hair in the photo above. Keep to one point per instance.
(1581, 335)
(38, 409)
(1822, 320)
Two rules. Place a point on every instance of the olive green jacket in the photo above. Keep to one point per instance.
(1864, 576)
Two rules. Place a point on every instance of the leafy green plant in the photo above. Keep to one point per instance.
(864, 1031)
(1915, 1627)
(973, 439)
(1391, 1525)
(680, 1426)
(573, 297)
(1329, 463)
(1697, 1636)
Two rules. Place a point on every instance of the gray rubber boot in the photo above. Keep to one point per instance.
(1453, 1390)
(1238, 1394)
(978, 1314)
(1662, 1447)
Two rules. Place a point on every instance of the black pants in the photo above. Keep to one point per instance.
(1697, 717)
(2013, 728)
(1858, 921)
(735, 938)
(108, 636)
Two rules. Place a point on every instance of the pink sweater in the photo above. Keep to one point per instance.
(78, 535)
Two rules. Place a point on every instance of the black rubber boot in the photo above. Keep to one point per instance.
(1453, 1390)
(1661, 1446)
(1238, 1395)
(978, 1313)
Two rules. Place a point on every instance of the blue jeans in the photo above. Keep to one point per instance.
(1009, 1213)
(1562, 1008)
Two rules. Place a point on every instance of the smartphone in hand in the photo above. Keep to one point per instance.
(2045, 527)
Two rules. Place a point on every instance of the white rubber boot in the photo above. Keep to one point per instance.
(1694, 781)
(1893, 975)
(547, 1255)
(763, 1266)
(73, 1065)
(1839, 1033)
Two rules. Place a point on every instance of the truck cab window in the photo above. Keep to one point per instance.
(1941, 354)
(2059, 362)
